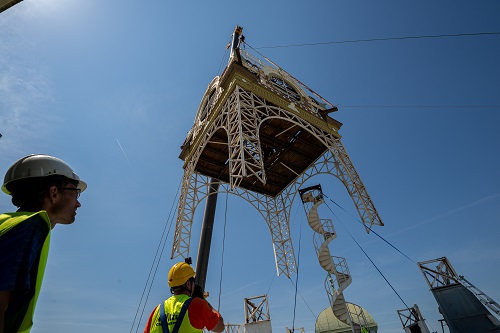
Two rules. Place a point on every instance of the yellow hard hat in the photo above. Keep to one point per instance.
(179, 274)
(39, 165)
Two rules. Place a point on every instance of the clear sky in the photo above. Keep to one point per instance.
(112, 87)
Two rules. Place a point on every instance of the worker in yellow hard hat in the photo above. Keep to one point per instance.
(45, 189)
(183, 312)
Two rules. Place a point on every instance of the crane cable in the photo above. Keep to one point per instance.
(282, 70)
(224, 57)
(374, 40)
(356, 219)
(296, 279)
(295, 285)
(158, 255)
(366, 254)
(223, 248)
(383, 39)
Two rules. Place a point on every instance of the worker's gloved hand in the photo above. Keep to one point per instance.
(198, 291)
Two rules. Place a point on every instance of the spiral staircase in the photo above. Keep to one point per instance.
(338, 276)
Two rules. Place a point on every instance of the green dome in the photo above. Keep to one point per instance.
(328, 323)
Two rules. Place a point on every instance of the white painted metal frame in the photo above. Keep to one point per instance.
(241, 116)
(411, 317)
(442, 274)
(256, 309)
(233, 328)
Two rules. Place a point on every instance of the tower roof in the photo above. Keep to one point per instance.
(284, 125)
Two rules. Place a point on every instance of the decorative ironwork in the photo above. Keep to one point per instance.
(262, 147)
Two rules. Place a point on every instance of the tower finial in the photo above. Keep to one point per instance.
(235, 45)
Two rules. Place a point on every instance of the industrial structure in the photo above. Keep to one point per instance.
(412, 320)
(259, 133)
(464, 307)
(257, 317)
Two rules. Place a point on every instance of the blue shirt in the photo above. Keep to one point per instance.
(20, 250)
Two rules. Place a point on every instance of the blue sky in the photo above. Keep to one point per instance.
(112, 87)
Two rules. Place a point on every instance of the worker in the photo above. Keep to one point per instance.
(183, 313)
(45, 189)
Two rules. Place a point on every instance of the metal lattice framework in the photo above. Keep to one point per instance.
(261, 136)
(412, 317)
(442, 274)
(439, 272)
(256, 309)
(241, 116)
(233, 328)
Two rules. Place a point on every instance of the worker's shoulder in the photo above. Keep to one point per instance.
(199, 303)
(23, 222)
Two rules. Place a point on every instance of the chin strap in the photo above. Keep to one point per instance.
(163, 317)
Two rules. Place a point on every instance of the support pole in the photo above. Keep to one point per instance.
(209, 216)
(206, 233)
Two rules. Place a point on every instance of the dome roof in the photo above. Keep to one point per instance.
(327, 322)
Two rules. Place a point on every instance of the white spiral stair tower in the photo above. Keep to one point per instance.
(338, 277)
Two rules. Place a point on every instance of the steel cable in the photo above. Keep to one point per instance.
(158, 256)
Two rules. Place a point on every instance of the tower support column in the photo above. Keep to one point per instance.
(206, 234)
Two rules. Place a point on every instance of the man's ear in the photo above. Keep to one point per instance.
(53, 192)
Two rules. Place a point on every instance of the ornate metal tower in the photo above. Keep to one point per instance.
(260, 134)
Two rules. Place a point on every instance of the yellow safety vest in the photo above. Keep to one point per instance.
(9, 221)
(173, 307)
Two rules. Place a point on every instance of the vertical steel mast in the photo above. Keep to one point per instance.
(209, 215)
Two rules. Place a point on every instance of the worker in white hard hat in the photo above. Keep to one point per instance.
(184, 312)
(45, 189)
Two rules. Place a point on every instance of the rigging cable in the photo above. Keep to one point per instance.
(223, 247)
(162, 240)
(366, 254)
(296, 285)
(296, 280)
(422, 106)
(270, 284)
(382, 238)
(372, 106)
(224, 57)
(305, 302)
(281, 69)
(382, 39)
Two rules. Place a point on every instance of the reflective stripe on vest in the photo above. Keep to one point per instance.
(172, 307)
(9, 221)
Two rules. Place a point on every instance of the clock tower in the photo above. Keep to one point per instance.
(259, 133)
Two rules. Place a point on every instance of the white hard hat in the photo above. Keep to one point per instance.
(39, 165)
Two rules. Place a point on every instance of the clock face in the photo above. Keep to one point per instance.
(206, 105)
(207, 102)
(285, 88)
